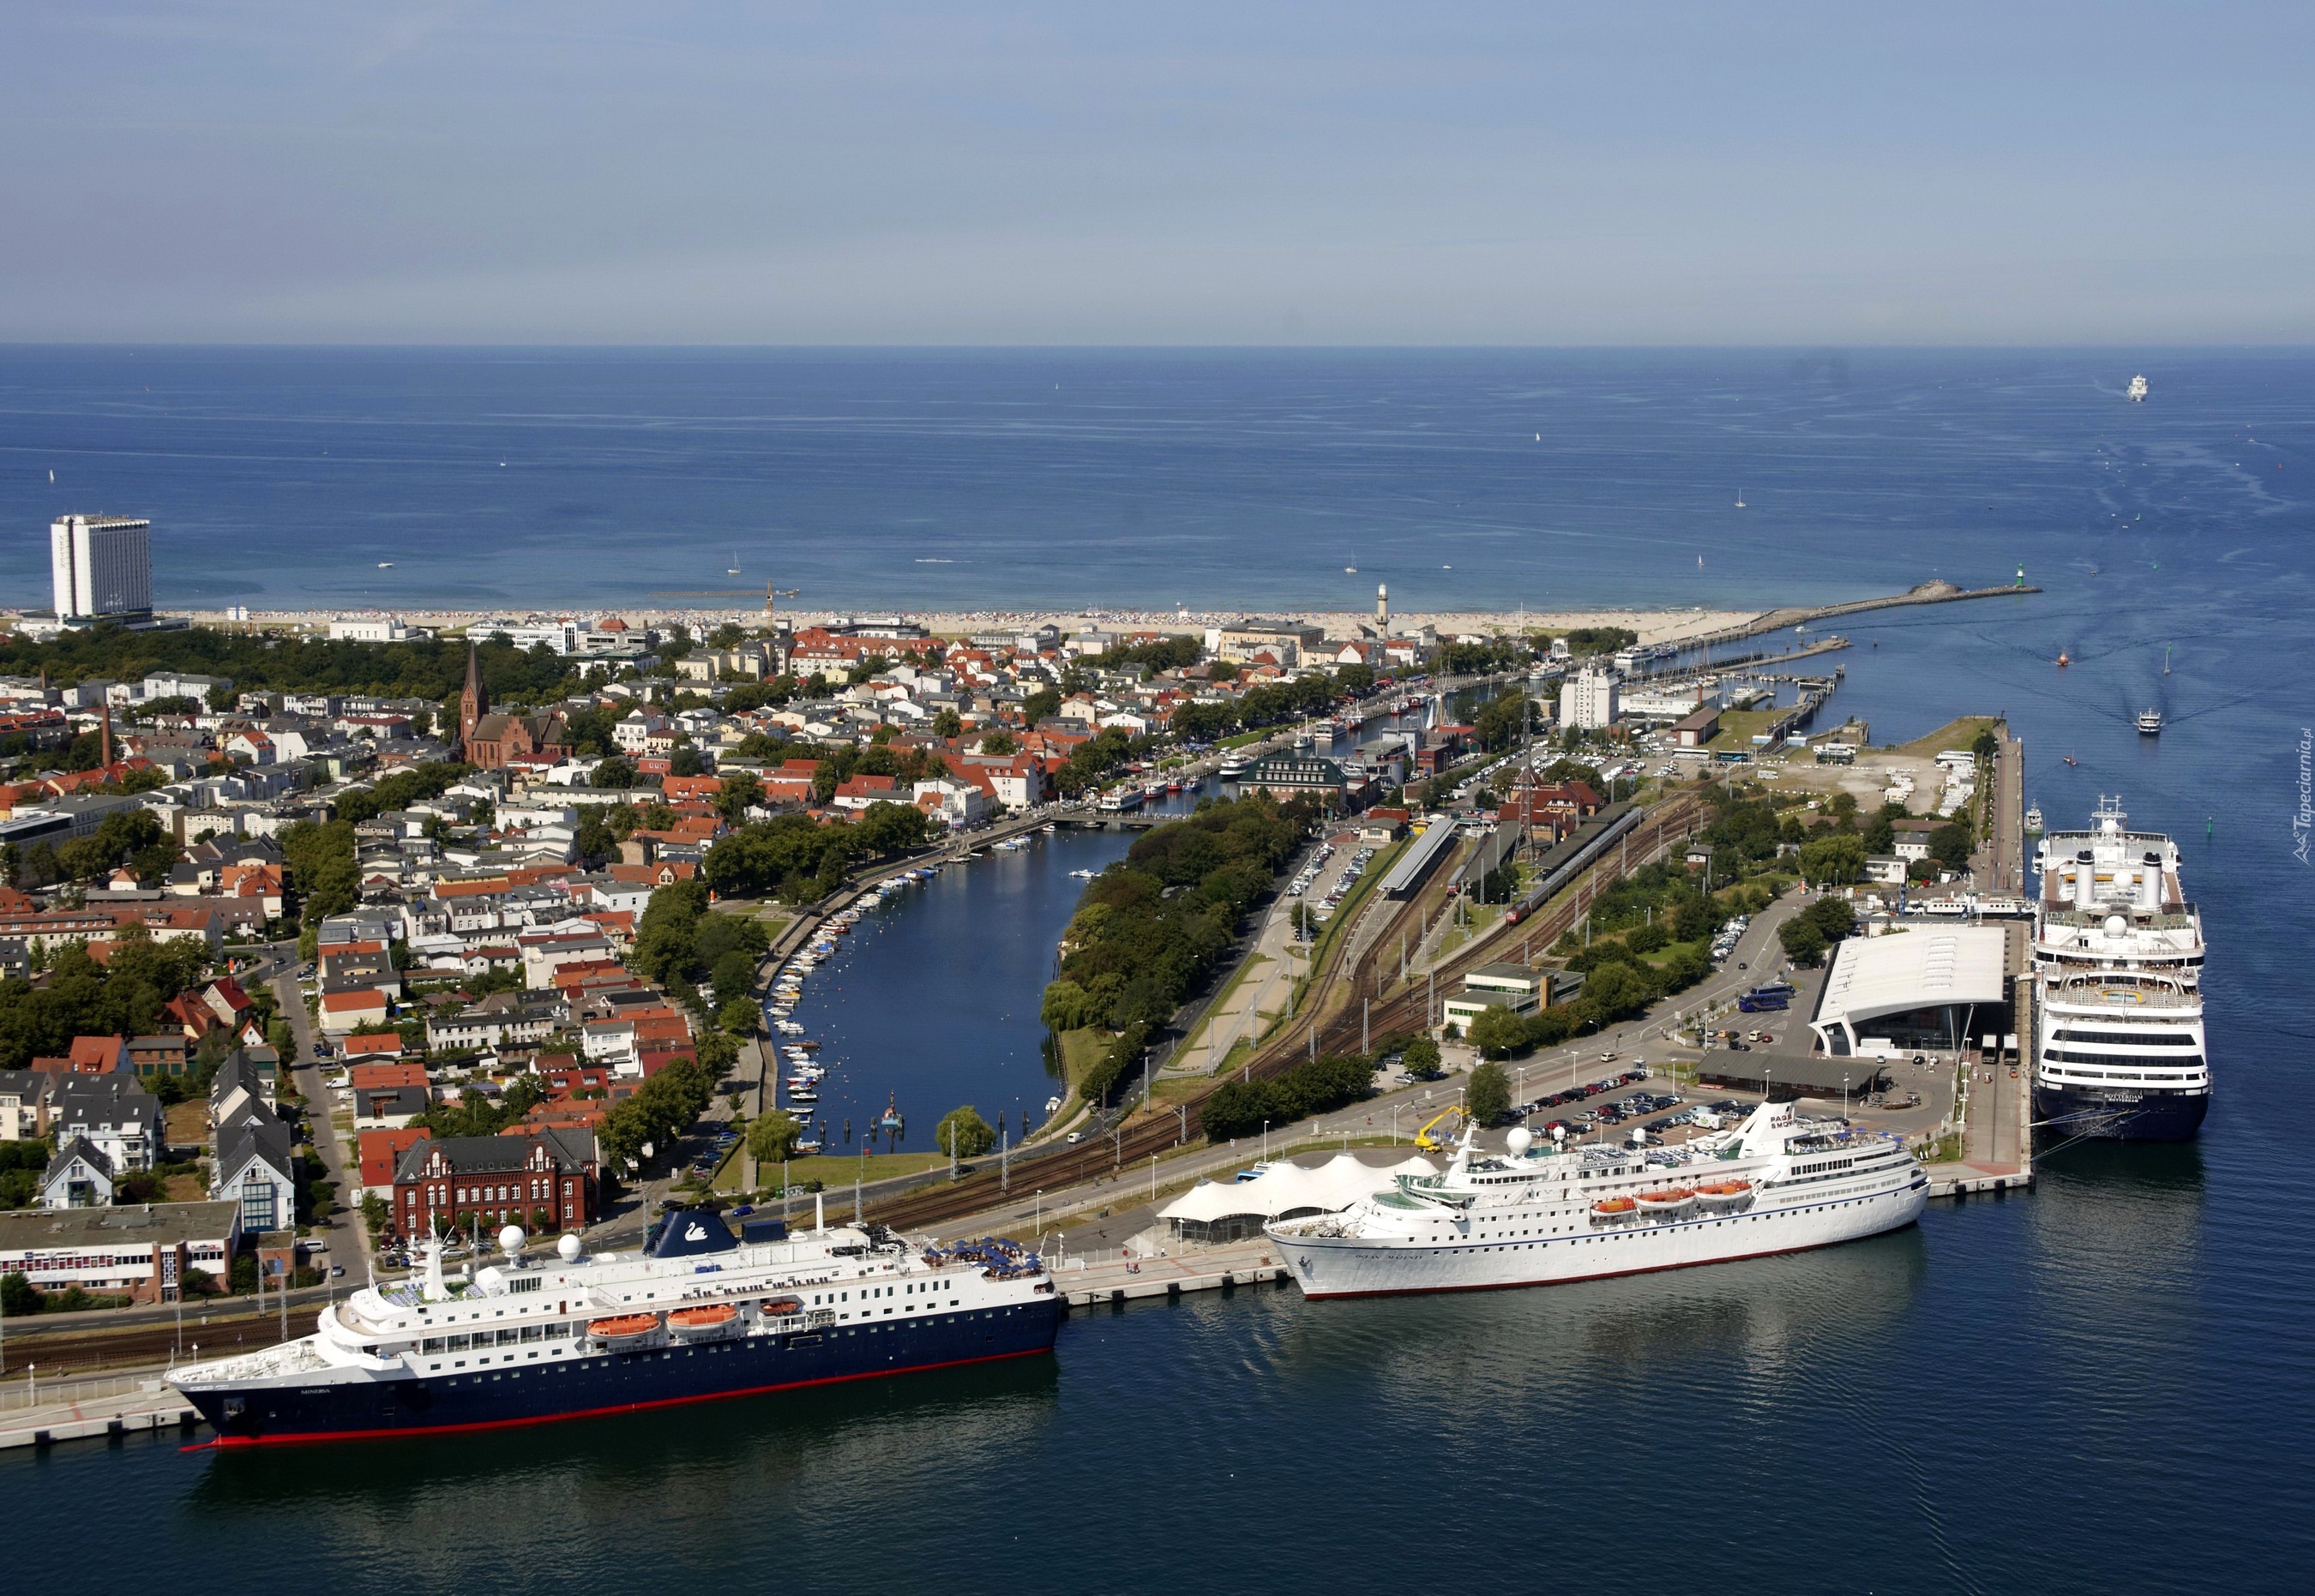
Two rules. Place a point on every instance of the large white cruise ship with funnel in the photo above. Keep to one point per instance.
(1538, 1215)
(2118, 1047)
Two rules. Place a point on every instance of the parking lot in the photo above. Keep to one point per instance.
(1327, 878)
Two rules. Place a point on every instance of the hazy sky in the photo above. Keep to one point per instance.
(1171, 172)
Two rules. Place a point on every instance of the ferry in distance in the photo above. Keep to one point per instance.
(2149, 722)
(698, 1314)
(1532, 1216)
(2136, 392)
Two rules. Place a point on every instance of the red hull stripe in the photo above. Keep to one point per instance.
(1574, 1279)
(316, 1438)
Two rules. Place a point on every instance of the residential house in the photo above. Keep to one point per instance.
(256, 1169)
(342, 1011)
(78, 1177)
(391, 1107)
(125, 1121)
(241, 1079)
(503, 1019)
(24, 1103)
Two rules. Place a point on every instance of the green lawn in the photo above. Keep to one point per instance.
(1952, 734)
(1081, 1051)
(1738, 726)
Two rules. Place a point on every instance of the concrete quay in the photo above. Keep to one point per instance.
(128, 1406)
(1090, 1282)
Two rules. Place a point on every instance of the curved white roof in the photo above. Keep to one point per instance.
(1872, 976)
(1285, 1187)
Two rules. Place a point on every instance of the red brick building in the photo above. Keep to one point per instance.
(515, 1179)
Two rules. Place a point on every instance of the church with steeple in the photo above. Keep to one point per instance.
(494, 742)
(474, 704)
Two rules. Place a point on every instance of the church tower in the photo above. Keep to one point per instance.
(474, 704)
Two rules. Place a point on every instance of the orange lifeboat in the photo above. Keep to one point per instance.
(624, 1329)
(709, 1318)
(1609, 1210)
(1668, 1203)
(1723, 1194)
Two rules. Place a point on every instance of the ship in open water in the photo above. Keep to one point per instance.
(2118, 1044)
(698, 1314)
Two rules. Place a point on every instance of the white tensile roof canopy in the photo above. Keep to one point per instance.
(1285, 1188)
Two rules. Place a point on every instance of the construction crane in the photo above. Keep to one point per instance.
(772, 597)
(1433, 1144)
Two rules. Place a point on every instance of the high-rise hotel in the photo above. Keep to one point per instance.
(102, 566)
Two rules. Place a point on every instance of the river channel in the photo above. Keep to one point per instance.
(932, 1000)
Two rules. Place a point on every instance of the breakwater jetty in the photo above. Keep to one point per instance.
(1776, 620)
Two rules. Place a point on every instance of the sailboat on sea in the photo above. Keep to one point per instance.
(1740, 498)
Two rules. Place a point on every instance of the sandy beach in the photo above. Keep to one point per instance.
(1654, 626)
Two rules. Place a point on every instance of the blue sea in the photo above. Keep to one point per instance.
(2106, 1386)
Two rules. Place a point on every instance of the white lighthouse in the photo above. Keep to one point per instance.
(1382, 610)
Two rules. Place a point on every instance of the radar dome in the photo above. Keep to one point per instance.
(1519, 1141)
(510, 1240)
(567, 1249)
(2118, 926)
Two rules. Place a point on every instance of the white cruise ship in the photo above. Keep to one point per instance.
(1541, 1215)
(2118, 1047)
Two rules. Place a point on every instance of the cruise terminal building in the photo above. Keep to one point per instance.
(1932, 986)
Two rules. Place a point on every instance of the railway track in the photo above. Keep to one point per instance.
(154, 1343)
(1338, 1029)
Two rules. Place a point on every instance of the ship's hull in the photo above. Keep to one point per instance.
(1329, 1266)
(2117, 1115)
(602, 1383)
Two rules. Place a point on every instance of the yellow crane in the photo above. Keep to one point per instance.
(772, 597)
(1433, 1144)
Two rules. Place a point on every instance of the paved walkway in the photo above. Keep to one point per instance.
(1246, 1010)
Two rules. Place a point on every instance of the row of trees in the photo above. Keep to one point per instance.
(797, 858)
(132, 838)
(1151, 927)
(680, 942)
(664, 1106)
(430, 667)
(1618, 983)
(1272, 704)
(1314, 1087)
(120, 997)
(1809, 934)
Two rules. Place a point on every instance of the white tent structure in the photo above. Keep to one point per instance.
(1214, 1211)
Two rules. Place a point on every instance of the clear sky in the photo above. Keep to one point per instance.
(1173, 172)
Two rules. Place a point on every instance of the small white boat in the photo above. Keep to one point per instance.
(2149, 722)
